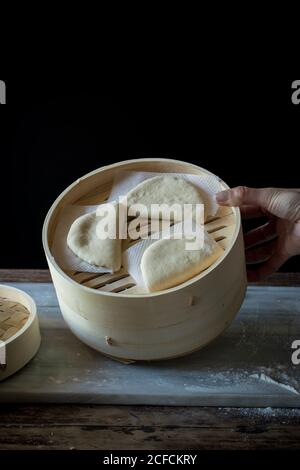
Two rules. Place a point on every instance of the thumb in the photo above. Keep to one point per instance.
(241, 195)
(283, 203)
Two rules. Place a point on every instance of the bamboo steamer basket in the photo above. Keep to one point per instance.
(107, 312)
(23, 338)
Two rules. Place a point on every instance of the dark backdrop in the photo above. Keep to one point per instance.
(246, 130)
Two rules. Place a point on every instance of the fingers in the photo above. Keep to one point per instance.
(267, 268)
(260, 234)
(260, 253)
(251, 212)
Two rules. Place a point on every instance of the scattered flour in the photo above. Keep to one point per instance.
(267, 379)
(268, 412)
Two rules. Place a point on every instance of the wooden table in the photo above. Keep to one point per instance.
(32, 427)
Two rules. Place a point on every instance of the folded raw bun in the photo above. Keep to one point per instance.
(167, 263)
(165, 189)
(85, 243)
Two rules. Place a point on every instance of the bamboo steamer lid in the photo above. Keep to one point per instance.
(19, 330)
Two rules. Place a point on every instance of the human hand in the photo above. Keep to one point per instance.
(276, 241)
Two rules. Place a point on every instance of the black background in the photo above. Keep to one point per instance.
(54, 130)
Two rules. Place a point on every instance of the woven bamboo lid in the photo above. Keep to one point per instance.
(19, 330)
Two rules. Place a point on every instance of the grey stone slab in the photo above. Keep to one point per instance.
(249, 365)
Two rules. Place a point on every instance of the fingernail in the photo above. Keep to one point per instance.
(222, 196)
